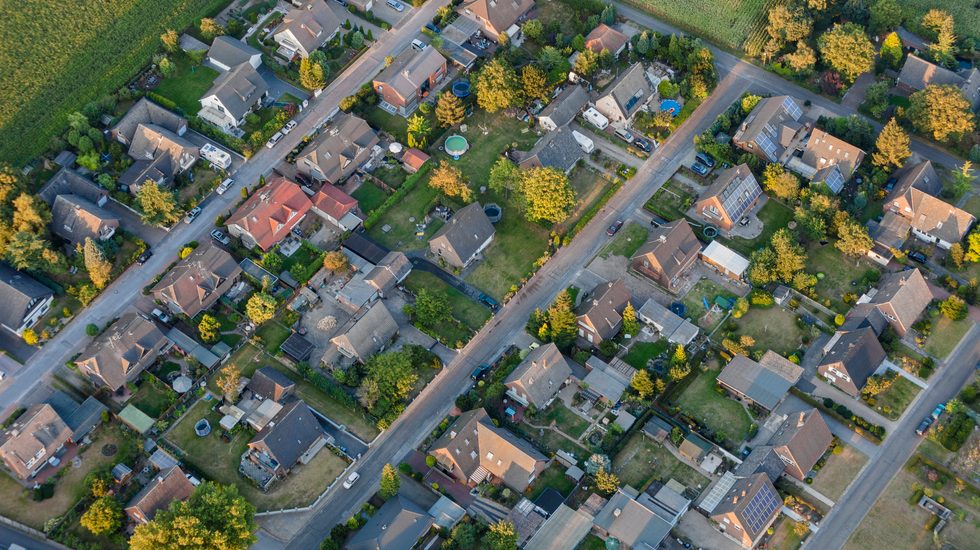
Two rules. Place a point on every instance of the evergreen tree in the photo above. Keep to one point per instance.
(891, 147)
(449, 110)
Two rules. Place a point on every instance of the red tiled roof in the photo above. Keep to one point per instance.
(333, 202)
(272, 212)
(415, 158)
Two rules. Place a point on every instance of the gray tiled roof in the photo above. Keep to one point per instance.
(231, 52)
(17, 291)
(239, 89)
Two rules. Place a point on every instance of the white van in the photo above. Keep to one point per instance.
(596, 118)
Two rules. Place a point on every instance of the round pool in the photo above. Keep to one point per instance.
(709, 232)
(493, 212)
(671, 106)
(456, 145)
(461, 89)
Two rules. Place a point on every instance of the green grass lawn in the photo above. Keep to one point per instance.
(153, 397)
(369, 197)
(641, 353)
(392, 176)
(187, 85)
(670, 201)
(694, 301)
(945, 335)
(773, 328)
(841, 274)
(892, 402)
(564, 419)
(219, 461)
(464, 309)
(273, 334)
(642, 460)
(785, 537)
(511, 256)
(553, 477)
(263, 117)
(589, 186)
(774, 215)
(401, 233)
(630, 238)
(718, 413)
(304, 263)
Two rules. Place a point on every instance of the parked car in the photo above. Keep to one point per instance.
(342, 3)
(217, 235)
(351, 480)
(614, 228)
(223, 186)
(288, 127)
(700, 169)
(432, 27)
(276, 137)
(890, 184)
(480, 371)
(923, 426)
(395, 5)
(625, 135)
(189, 218)
(643, 145)
(144, 256)
(744, 220)
(917, 256)
(657, 221)
(161, 316)
(418, 44)
(705, 159)
(938, 411)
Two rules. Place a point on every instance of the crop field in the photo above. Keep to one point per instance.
(965, 13)
(58, 56)
(729, 23)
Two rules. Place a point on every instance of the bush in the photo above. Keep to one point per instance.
(430, 461)
(92, 329)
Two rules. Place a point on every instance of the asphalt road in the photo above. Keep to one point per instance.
(9, 535)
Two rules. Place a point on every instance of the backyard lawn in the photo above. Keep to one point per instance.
(16, 504)
(304, 263)
(218, 460)
(642, 460)
(187, 85)
(402, 218)
(719, 413)
(671, 201)
(773, 328)
(841, 274)
(784, 536)
(393, 176)
(553, 477)
(892, 402)
(774, 215)
(153, 397)
(369, 197)
(273, 334)
(945, 335)
(640, 353)
(838, 472)
(563, 419)
(705, 289)
(463, 307)
(589, 186)
(511, 256)
(629, 239)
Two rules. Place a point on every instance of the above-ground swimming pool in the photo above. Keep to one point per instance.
(456, 145)
(493, 212)
(461, 89)
(671, 106)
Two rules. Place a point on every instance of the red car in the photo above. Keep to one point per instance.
(614, 228)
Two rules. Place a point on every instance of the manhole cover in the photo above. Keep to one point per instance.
(109, 450)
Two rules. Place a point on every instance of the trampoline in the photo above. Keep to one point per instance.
(461, 89)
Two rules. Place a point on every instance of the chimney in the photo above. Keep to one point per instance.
(452, 434)
(617, 512)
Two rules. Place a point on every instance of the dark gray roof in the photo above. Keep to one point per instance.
(265, 381)
(74, 219)
(549, 500)
(239, 89)
(563, 108)
(85, 417)
(159, 169)
(765, 382)
(70, 182)
(18, 291)
(231, 52)
(858, 352)
(762, 459)
(633, 521)
(631, 90)
(290, 434)
(147, 112)
(466, 231)
(397, 525)
(363, 246)
(297, 347)
(557, 150)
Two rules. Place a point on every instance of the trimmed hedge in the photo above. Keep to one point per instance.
(410, 183)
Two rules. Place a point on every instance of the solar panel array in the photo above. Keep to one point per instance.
(792, 108)
(739, 195)
(761, 508)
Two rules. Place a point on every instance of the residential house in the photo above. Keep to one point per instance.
(159, 155)
(800, 442)
(916, 199)
(850, 358)
(69, 182)
(357, 293)
(413, 160)
(671, 326)
(474, 450)
(339, 152)
(605, 38)
(694, 447)
(293, 437)
(564, 529)
(496, 16)
(270, 214)
(361, 250)
(337, 207)
(748, 509)
(389, 273)
(410, 78)
(144, 112)
(606, 381)
(724, 260)
(75, 219)
(305, 29)
(227, 52)
(83, 417)
(826, 159)
(917, 73)
(368, 335)
(232, 96)
(626, 95)
(559, 150)
(397, 525)
(270, 383)
(762, 383)
(732, 196)
(600, 316)
(122, 351)
(772, 130)
(640, 520)
(467, 234)
(901, 298)
(24, 300)
(166, 487)
(33, 440)
(564, 108)
(536, 381)
(668, 254)
(197, 281)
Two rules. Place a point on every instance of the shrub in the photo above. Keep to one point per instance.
(92, 329)
(430, 461)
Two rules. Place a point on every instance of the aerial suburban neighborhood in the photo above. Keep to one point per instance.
(490, 274)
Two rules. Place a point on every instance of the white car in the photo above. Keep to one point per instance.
(351, 480)
(418, 44)
(288, 127)
(274, 140)
(159, 314)
(396, 5)
(223, 186)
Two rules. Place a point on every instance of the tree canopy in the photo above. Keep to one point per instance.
(847, 49)
(216, 517)
(158, 205)
(942, 111)
(891, 147)
(260, 307)
(497, 86)
(546, 195)
(449, 110)
(98, 267)
(449, 180)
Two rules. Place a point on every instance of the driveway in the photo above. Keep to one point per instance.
(130, 221)
(279, 87)
(609, 149)
(16, 348)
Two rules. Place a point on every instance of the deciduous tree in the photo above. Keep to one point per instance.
(500, 536)
(418, 129)
(336, 261)
(227, 380)
(847, 49)
(534, 82)
(606, 482)
(496, 86)
(962, 179)
(802, 59)
(504, 176)
(216, 517)
(642, 383)
(852, 238)
(170, 39)
(449, 110)
(780, 182)
(260, 307)
(885, 15)
(209, 328)
(630, 325)
(311, 74)
(210, 28)
(891, 147)
(546, 195)
(533, 29)
(891, 50)
(158, 205)
(940, 23)
(449, 180)
(29, 336)
(430, 308)
(103, 516)
(789, 24)
(586, 63)
(942, 111)
(954, 308)
(393, 373)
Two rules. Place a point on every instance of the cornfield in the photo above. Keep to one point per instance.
(966, 14)
(55, 57)
(728, 23)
